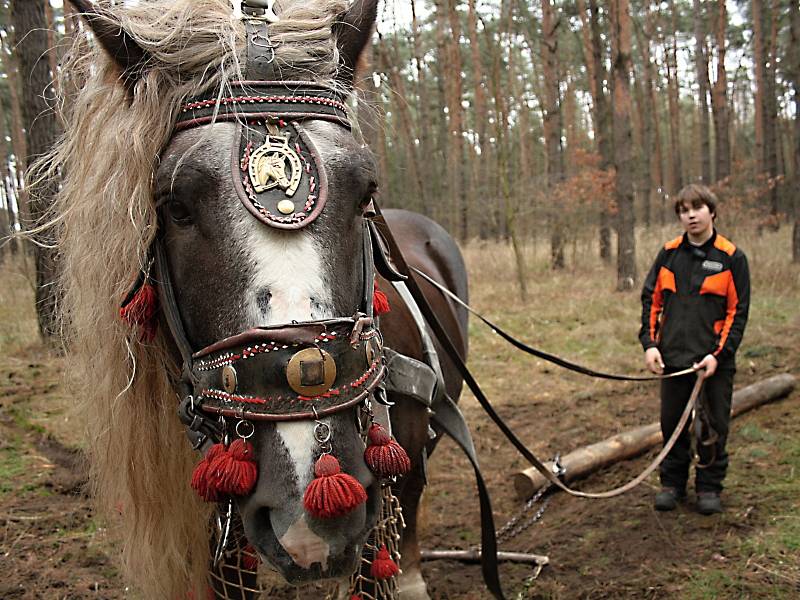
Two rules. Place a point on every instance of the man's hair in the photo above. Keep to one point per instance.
(696, 195)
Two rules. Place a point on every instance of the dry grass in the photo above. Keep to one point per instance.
(18, 327)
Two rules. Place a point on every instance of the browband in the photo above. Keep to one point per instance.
(253, 100)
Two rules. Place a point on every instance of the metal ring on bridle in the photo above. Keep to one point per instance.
(249, 433)
(322, 433)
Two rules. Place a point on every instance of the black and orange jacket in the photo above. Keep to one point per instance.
(695, 302)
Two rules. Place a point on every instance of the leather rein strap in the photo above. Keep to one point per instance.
(488, 538)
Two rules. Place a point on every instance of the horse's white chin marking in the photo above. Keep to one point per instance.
(304, 546)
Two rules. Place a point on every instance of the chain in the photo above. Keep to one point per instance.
(519, 523)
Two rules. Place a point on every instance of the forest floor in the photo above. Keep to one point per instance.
(51, 545)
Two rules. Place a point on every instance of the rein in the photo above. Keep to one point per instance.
(447, 414)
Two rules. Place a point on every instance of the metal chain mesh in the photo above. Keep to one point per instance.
(385, 533)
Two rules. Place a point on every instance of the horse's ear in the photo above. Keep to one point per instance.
(129, 56)
(353, 31)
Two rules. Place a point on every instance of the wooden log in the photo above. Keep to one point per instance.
(474, 556)
(634, 442)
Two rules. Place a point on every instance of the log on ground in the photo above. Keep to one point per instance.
(634, 442)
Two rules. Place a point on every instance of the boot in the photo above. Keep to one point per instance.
(708, 503)
(668, 497)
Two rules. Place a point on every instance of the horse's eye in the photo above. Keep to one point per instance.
(179, 212)
(372, 191)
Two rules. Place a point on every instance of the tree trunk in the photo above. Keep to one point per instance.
(759, 54)
(427, 146)
(794, 59)
(771, 113)
(407, 132)
(650, 120)
(623, 160)
(478, 172)
(601, 114)
(674, 106)
(6, 190)
(719, 98)
(551, 116)
(645, 137)
(18, 142)
(701, 64)
(30, 29)
(455, 153)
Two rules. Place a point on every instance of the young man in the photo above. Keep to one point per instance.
(695, 302)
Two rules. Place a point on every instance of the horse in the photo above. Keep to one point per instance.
(217, 262)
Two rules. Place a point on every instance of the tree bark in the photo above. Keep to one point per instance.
(426, 146)
(30, 30)
(719, 97)
(650, 117)
(623, 160)
(794, 58)
(455, 152)
(760, 60)
(771, 113)
(671, 61)
(551, 116)
(701, 64)
(408, 134)
(7, 243)
(478, 162)
(601, 114)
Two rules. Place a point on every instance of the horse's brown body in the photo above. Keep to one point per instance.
(428, 247)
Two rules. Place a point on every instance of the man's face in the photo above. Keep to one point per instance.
(696, 219)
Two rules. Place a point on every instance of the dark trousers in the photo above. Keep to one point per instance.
(675, 393)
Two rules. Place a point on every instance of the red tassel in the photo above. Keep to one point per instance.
(140, 311)
(332, 493)
(250, 558)
(235, 471)
(380, 303)
(383, 567)
(384, 456)
(356, 597)
(231, 471)
(202, 482)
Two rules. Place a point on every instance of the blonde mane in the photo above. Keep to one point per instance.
(139, 455)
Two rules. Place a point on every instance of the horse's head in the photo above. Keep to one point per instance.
(265, 281)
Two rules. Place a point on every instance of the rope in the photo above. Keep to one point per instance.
(561, 362)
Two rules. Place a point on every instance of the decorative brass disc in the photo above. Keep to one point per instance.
(229, 379)
(268, 166)
(311, 372)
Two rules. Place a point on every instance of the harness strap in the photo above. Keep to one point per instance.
(448, 416)
(169, 306)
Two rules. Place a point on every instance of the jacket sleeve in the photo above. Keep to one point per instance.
(738, 307)
(652, 303)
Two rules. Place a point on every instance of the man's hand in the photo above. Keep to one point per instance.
(708, 365)
(652, 358)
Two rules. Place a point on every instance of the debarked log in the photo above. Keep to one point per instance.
(631, 443)
(474, 556)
